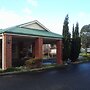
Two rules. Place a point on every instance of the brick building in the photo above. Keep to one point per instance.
(26, 37)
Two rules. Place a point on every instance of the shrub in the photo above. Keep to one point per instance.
(33, 63)
(11, 69)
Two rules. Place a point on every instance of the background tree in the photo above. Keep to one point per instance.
(85, 36)
(66, 39)
(75, 43)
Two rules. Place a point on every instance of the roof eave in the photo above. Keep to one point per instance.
(21, 34)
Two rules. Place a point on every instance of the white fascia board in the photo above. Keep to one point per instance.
(33, 36)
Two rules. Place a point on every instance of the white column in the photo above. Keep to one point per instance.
(3, 63)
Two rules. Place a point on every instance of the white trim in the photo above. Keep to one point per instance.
(3, 61)
(32, 22)
(21, 35)
(33, 36)
(0, 37)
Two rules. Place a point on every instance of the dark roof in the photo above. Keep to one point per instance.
(32, 32)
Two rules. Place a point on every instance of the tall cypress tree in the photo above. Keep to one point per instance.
(77, 30)
(66, 39)
(66, 27)
(73, 32)
(75, 43)
(72, 54)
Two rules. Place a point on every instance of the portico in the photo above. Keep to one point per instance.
(31, 35)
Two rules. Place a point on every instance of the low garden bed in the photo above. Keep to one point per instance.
(35, 64)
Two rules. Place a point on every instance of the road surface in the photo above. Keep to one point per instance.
(74, 77)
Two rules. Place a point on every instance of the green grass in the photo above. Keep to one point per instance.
(25, 69)
(85, 56)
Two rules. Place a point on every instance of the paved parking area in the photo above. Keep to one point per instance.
(74, 77)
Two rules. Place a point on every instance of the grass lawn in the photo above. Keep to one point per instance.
(85, 56)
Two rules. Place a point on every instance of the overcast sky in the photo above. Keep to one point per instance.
(50, 13)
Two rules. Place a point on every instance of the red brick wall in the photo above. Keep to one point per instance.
(59, 51)
(7, 51)
(38, 47)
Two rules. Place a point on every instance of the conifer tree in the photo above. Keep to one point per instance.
(66, 39)
(75, 43)
(73, 32)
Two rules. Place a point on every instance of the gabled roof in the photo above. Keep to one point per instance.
(21, 30)
(29, 25)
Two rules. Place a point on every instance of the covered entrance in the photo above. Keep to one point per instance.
(26, 41)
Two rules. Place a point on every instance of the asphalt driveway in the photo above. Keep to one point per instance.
(74, 77)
